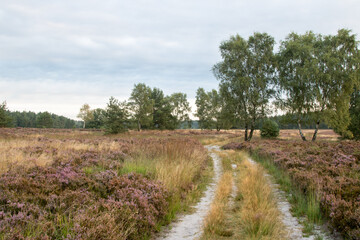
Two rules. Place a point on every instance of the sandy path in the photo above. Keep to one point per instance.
(190, 226)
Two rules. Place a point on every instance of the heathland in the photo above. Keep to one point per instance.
(72, 184)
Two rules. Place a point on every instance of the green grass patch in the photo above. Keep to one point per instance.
(93, 169)
(140, 167)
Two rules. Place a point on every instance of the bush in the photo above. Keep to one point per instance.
(269, 129)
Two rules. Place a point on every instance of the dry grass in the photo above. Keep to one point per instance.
(258, 213)
(12, 153)
(180, 165)
(213, 223)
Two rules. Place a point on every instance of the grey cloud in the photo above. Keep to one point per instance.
(101, 48)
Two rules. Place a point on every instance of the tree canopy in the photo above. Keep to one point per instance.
(246, 74)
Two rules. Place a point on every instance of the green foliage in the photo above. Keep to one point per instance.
(85, 114)
(180, 108)
(142, 105)
(162, 117)
(354, 110)
(29, 120)
(204, 109)
(212, 110)
(269, 129)
(246, 73)
(317, 75)
(116, 117)
(97, 120)
(44, 120)
(5, 119)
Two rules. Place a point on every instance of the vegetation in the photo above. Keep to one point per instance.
(269, 129)
(258, 214)
(141, 104)
(329, 170)
(115, 116)
(212, 110)
(245, 75)
(5, 120)
(317, 74)
(44, 120)
(85, 114)
(72, 184)
(354, 110)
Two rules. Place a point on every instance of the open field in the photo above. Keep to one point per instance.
(58, 184)
(83, 185)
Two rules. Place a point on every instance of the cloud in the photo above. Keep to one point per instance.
(57, 55)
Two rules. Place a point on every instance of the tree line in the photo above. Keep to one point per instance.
(311, 78)
(34, 120)
(147, 108)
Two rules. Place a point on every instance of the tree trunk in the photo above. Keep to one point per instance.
(301, 134)
(316, 130)
(251, 133)
(84, 125)
(246, 132)
(139, 126)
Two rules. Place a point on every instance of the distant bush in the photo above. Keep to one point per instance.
(269, 129)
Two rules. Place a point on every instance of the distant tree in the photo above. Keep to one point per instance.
(246, 74)
(5, 119)
(116, 117)
(180, 108)
(162, 111)
(204, 109)
(98, 118)
(85, 114)
(142, 105)
(44, 120)
(213, 111)
(221, 113)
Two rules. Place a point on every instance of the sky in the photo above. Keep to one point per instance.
(57, 55)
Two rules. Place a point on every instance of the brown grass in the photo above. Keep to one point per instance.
(258, 213)
(213, 223)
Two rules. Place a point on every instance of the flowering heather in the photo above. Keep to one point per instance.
(64, 184)
(331, 169)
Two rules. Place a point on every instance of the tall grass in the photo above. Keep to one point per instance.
(258, 213)
(172, 170)
(303, 205)
(213, 223)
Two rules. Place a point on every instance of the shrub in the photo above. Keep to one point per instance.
(269, 129)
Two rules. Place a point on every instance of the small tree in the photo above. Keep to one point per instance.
(269, 129)
(44, 120)
(85, 114)
(180, 108)
(162, 111)
(97, 120)
(204, 109)
(142, 105)
(116, 116)
(5, 119)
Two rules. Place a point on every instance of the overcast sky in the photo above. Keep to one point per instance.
(57, 55)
